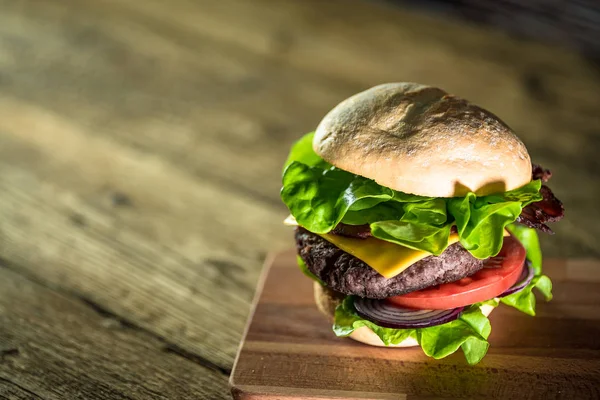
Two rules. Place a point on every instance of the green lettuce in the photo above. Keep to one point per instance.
(469, 332)
(524, 300)
(529, 239)
(320, 196)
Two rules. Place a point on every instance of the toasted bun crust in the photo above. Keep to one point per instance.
(327, 300)
(419, 139)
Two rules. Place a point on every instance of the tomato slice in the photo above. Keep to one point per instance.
(501, 273)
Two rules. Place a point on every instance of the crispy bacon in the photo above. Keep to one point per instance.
(535, 215)
(549, 209)
(538, 172)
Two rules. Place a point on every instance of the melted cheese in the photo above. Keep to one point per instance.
(290, 221)
(387, 258)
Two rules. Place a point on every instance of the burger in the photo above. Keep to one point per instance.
(416, 214)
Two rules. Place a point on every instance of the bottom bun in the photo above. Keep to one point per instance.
(327, 300)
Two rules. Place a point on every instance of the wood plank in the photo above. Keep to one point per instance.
(160, 262)
(205, 113)
(10, 391)
(290, 351)
(54, 346)
(183, 244)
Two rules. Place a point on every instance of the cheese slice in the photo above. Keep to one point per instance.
(387, 258)
(290, 221)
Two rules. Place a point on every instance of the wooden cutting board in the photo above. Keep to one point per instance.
(290, 352)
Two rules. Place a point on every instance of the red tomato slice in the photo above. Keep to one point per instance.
(503, 272)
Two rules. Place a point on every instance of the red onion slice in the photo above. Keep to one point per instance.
(524, 279)
(388, 315)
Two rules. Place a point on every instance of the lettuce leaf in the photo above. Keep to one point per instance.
(347, 321)
(469, 332)
(380, 212)
(481, 220)
(529, 239)
(524, 300)
(321, 196)
(427, 237)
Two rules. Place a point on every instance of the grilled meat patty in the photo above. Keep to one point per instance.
(347, 274)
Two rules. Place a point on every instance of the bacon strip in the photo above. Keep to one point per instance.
(549, 209)
(353, 231)
(538, 172)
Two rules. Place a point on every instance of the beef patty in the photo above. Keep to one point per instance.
(347, 274)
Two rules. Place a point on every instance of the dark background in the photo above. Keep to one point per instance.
(572, 24)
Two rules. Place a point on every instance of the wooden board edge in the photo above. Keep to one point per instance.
(251, 392)
(235, 392)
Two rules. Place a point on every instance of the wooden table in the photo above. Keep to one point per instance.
(140, 154)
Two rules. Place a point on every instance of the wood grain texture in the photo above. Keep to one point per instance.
(141, 144)
(55, 347)
(289, 350)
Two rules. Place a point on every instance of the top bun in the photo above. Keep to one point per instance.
(419, 139)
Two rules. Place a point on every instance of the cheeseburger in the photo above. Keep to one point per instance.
(415, 213)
